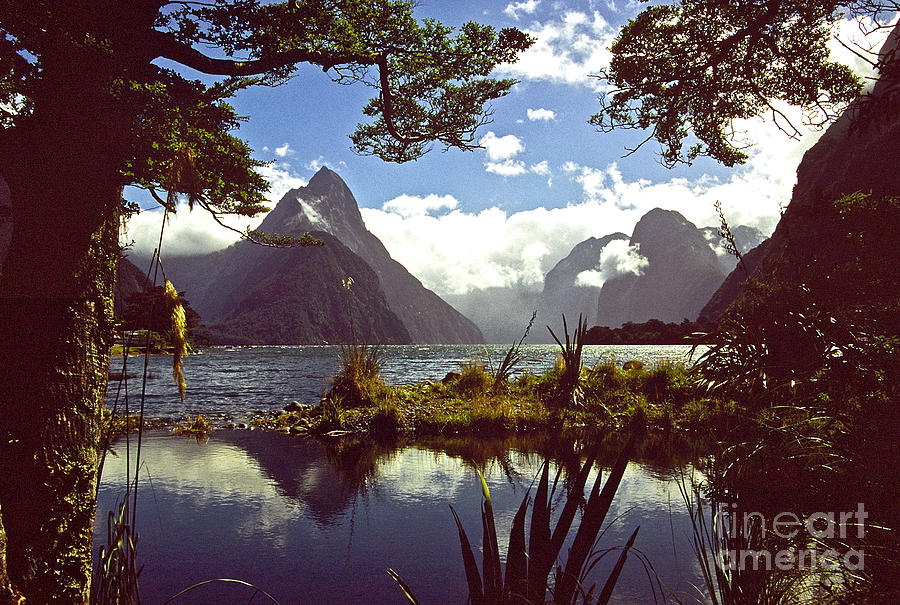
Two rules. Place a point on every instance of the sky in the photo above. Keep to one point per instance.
(543, 181)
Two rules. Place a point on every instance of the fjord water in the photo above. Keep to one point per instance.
(319, 522)
(238, 381)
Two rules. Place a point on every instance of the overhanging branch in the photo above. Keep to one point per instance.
(165, 46)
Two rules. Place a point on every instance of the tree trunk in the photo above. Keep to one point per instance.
(54, 359)
(56, 291)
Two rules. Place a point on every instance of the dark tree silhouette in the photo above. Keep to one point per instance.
(85, 110)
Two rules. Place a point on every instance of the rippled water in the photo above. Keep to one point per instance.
(240, 380)
(314, 522)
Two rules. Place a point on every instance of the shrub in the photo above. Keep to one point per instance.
(387, 420)
(358, 382)
(473, 378)
(569, 389)
(604, 382)
(199, 427)
(667, 382)
(332, 418)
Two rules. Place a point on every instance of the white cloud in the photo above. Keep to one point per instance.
(527, 6)
(566, 51)
(864, 37)
(541, 168)
(186, 232)
(500, 152)
(502, 148)
(281, 180)
(284, 150)
(196, 232)
(456, 252)
(541, 114)
(616, 258)
(317, 163)
(506, 167)
(411, 205)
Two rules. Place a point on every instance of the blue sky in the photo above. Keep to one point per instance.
(545, 180)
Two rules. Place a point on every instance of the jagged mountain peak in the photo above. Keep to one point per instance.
(326, 181)
(324, 204)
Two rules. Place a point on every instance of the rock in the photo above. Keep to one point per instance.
(633, 364)
(294, 406)
(450, 377)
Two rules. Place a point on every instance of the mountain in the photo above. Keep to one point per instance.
(129, 280)
(858, 152)
(666, 270)
(563, 294)
(252, 292)
(326, 204)
(681, 273)
(297, 295)
(746, 238)
(502, 312)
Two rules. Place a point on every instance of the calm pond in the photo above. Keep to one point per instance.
(320, 521)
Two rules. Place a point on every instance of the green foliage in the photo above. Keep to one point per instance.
(473, 378)
(200, 427)
(569, 387)
(151, 309)
(711, 541)
(511, 359)
(116, 576)
(387, 421)
(358, 382)
(431, 80)
(810, 356)
(651, 332)
(688, 70)
(332, 418)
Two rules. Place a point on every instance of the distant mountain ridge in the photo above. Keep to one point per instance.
(681, 274)
(666, 270)
(683, 266)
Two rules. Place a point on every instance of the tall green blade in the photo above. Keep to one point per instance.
(594, 514)
(472, 576)
(490, 568)
(610, 584)
(539, 557)
(516, 581)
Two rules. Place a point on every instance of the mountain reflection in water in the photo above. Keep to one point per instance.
(319, 522)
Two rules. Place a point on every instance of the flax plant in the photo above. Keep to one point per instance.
(530, 562)
(512, 358)
(569, 388)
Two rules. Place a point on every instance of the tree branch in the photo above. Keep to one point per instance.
(167, 47)
(387, 104)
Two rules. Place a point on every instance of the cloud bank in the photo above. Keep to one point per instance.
(617, 258)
